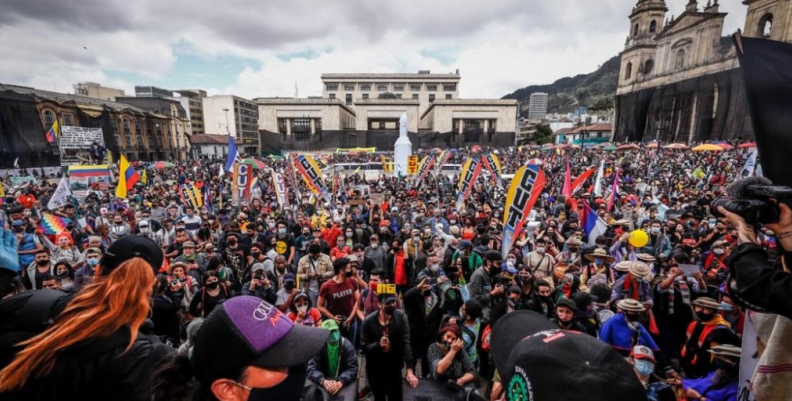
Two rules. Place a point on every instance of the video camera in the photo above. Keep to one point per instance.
(751, 199)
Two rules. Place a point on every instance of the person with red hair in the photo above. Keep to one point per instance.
(93, 349)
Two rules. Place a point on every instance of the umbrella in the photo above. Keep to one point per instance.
(537, 162)
(609, 148)
(747, 145)
(676, 146)
(275, 157)
(475, 148)
(161, 165)
(257, 164)
(725, 146)
(707, 147)
(652, 145)
(628, 146)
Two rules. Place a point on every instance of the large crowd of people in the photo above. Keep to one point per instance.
(385, 286)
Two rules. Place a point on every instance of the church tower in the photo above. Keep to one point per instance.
(638, 57)
(769, 19)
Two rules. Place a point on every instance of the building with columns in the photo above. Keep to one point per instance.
(679, 78)
(363, 110)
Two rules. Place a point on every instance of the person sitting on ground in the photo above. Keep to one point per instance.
(334, 369)
(448, 359)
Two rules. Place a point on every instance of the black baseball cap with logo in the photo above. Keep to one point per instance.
(539, 362)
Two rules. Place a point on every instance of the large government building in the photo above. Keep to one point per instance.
(680, 78)
(363, 110)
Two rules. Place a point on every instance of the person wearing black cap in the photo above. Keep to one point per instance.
(246, 349)
(537, 361)
(565, 316)
(707, 331)
(93, 350)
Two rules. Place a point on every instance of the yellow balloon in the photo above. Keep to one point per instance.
(638, 238)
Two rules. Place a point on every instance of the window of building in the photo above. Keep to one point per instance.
(432, 98)
(318, 125)
(349, 87)
(431, 88)
(382, 125)
(382, 88)
(415, 87)
(449, 87)
(332, 87)
(348, 98)
(49, 119)
(301, 125)
(398, 96)
(635, 30)
(648, 67)
(365, 96)
(365, 87)
(449, 96)
(415, 96)
(398, 87)
(472, 124)
(332, 96)
(653, 26)
(680, 59)
(282, 128)
(68, 119)
(125, 123)
(765, 25)
(455, 125)
(628, 71)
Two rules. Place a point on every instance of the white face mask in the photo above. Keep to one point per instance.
(435, 267)
(302, 308)
(718, 251)
(540, 250)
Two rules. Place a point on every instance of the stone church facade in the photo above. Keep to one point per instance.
(680, 78)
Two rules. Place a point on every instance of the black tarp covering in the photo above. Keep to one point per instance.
(767, 71)
(684, 111)
(22, 133)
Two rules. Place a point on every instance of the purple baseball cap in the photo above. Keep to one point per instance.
(247, 331)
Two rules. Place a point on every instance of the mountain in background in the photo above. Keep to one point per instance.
(594, 91)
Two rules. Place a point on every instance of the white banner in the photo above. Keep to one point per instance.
(75, 144)
(750, 165)
(749, 359)
(61, 196)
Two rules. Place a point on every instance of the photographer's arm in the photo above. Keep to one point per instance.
(759, 282)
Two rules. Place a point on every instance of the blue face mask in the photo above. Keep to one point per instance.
(599, 261)
(335, 335)
(644, 367)
(92, 262)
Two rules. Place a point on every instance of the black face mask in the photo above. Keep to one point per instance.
(42, 262)
(632, 317)
(255, 255)
(706, 317)
(288, 390)
(289, 285)
(427, 293)
(390, 310)
(494, 271)
(232, 242)
(349, 273)
(544, 298)
(213, 285)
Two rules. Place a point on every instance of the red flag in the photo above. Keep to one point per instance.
(567, 190)
(578, 183)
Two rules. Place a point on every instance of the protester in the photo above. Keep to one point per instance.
(334, 369)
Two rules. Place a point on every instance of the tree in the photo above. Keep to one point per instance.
(543, 130)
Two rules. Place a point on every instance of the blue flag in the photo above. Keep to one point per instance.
(232, 154)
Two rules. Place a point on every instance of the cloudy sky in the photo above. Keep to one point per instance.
(257, 48)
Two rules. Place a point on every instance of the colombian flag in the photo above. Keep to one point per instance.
(127, 177)
(52, 134)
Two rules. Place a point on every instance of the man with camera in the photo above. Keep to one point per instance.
(758, 282)
(260, 285)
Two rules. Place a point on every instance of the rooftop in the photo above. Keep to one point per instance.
(68, 98)
(420, 75)
(599, 127)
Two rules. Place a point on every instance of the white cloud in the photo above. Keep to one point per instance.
(499, 46)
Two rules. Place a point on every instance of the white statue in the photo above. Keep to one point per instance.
(403, 148)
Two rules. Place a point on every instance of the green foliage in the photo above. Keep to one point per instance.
(595, 90)
(543, 130)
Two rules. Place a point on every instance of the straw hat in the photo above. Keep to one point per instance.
(646, 257)
(726, 350)
(640, 269)
(630, 305)
(600, 253)
(623, 266)
(706, 302)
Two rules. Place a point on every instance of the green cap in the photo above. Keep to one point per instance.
(330, 324)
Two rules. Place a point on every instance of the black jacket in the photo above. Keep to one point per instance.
(347, 369)
(100, 370)
(758, 282)
(423, 326)
(399, 335)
